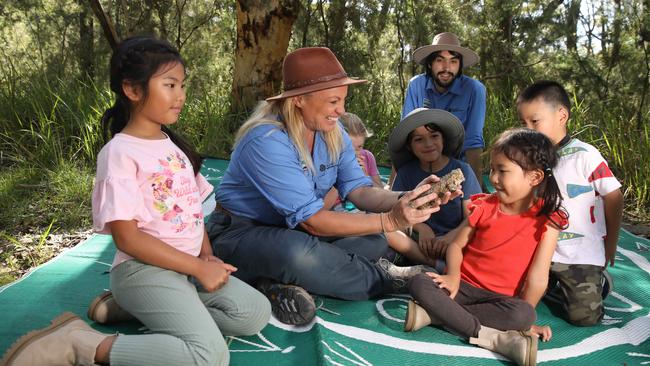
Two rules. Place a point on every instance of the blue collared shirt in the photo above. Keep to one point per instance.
(465, 99)
(267, 181)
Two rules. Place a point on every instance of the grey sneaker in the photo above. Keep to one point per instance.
(400, 276)
(607, 283)
(290, 304)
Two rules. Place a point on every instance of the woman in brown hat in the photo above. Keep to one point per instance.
(270, 220)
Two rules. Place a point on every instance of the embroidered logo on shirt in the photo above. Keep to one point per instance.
(602, 171)
(166, 193)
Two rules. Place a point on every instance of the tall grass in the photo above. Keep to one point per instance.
(51, 123)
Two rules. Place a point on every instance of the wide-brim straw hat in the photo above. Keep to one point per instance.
(452, 130)
(310, 69)
(446, 42)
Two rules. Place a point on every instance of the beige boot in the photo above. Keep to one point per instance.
(518, 346)
(416, 317)
(68, 341)
(104, 310)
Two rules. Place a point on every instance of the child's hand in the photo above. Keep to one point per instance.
(211, 258)
(362, 163)
(542, 331)
(610, 254)
(213, 274)
(451, 283)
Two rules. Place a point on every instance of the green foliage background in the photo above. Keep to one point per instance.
(53, 79)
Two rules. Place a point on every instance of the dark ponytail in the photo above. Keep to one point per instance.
(531, 150)
(135, 61)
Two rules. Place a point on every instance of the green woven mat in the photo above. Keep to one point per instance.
(349, 332)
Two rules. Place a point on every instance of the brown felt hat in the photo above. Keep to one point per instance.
(446, 42)
(310, 69)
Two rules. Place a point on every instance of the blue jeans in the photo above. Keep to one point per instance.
(338, 267)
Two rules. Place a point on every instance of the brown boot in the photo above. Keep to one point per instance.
(518, 346)
(416, 317)
(67, 341)
(104, 310)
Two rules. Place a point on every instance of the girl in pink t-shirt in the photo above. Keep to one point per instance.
(148, 194)
(499, 259)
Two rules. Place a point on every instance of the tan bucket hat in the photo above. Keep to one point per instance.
(311, 69)
(452, 129)
(446, 42)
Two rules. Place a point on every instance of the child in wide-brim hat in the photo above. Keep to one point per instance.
(425, 142)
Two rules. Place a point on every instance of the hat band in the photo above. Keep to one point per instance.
(322, 79)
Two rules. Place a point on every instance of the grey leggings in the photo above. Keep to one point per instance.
(471, 308)
(187, 325)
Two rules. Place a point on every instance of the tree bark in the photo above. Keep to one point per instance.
(86, 49)
(107, 25)
(263, 33)
(573, 14)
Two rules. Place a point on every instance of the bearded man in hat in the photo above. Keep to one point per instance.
(270, 220)
(443, 86)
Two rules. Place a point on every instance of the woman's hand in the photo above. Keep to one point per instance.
(543, 332)
(451, 283)
(213, 273)
(405, 212)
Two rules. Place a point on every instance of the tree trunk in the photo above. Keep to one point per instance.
(573, 14)
(86, 48)
(107, 25)
(263, 33)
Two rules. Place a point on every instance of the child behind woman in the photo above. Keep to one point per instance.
(358, 134)
(147, 195)
(425, 142)
(498, 262)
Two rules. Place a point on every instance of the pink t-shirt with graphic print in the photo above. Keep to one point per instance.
(153, 183)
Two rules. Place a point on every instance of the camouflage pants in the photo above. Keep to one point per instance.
(575, 290)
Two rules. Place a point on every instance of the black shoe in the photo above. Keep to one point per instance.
(608, 284)
(290, 304)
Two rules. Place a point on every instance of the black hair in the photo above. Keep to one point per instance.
(433, 55)
(135, 61)
(431, 127)
(532, 150)
(550, 91)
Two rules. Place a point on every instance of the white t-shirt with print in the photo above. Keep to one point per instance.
(583, 178)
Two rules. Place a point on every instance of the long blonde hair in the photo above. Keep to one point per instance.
(291, 121)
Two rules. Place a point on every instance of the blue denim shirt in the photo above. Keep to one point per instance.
(465, 99)
(267, 181)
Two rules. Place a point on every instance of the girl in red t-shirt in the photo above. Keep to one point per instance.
(499, 259)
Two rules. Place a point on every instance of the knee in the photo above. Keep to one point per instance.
(257, 316)
(585, 316)
(421, 284)
(523, 317)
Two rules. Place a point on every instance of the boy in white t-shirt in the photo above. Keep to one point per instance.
(592, 197)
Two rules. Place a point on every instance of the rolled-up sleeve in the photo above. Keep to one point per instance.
(272, 165)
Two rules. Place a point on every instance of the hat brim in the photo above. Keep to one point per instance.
(470, 58)
(451, 127)
(316, 87)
